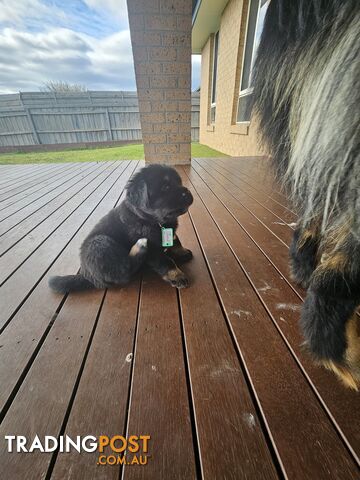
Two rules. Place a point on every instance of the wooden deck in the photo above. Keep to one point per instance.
(215, 373)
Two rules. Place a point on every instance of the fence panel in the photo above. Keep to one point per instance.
(31, 118)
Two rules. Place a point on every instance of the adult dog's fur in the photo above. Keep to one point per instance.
(129, 236)
(307, 98)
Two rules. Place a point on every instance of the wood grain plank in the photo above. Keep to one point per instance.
(159, 403)
(100, 404)
(19, 175)
(272, 222)
(316, 447)
(24, 197)
(284, 214)
(230, 434)
(269, 244)
(14, 257)
(17, 211)
(258, 174)
(21, 283)
(22, 338)
(41, 403)
(283, 304)
(22, 186)
(16, 252)
(21, 224)
(9, 173)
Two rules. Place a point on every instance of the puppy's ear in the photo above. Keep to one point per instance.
(137, 192)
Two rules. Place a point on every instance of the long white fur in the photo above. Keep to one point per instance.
(324, 163)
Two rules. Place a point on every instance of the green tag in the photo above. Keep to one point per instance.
(167, 237)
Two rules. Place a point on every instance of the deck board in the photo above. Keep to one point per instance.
(21, 173)
(269, 362)
(261, 213)
(154, 407)
(115, 333)
(12, 191)
(18, 202)
(216, 373)
(224, 409)
(283, 213)
(38, 234)
(31, 215)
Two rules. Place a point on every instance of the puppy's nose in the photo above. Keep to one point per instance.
(186, 194)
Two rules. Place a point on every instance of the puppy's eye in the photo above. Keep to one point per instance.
(165, 187)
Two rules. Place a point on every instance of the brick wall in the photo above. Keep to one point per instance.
(225, 135)
(161, 40)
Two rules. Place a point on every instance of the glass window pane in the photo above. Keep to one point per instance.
(249, 45)
(216, 49)
(212, 114)
(255, 27)
(244, 108)
(259, 28)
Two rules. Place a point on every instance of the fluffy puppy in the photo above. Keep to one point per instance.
(307, 97)
(130, 235)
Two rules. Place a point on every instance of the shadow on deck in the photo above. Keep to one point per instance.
(215, 374)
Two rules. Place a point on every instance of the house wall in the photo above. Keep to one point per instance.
(225, 135)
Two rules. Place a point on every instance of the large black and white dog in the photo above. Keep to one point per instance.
(130, 235)
(307, 98)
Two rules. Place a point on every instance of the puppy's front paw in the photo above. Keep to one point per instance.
(180, 254)
(185, 255)
(140, 247)
(176, 278)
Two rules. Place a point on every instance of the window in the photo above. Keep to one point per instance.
(214, 75)
(256, 16)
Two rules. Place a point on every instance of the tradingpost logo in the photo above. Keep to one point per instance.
(115, 450)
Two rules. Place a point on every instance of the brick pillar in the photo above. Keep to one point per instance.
(161, 41)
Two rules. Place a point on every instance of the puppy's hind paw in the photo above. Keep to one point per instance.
(140, 247)
(176, 278)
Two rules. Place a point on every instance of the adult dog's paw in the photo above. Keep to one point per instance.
(176, 278)
(140, 247)
(301, 274)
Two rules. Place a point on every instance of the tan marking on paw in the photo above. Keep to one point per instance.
(349, 372)
(176, 278)
(173, 274)
(342, 372)
(352, 355)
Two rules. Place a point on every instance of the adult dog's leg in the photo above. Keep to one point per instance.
(303, 255)
(329, 318)
(178, 252)
(166, 268)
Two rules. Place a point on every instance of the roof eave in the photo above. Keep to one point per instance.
(205, 20)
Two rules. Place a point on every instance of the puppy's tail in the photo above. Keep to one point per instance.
(69, 283)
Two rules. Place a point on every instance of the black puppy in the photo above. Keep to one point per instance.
(141, 230)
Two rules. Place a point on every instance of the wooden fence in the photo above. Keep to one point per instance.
(35, 118)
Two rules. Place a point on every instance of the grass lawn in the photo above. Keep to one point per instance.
(126, 152)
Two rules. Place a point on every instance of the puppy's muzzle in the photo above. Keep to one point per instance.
(187, 197)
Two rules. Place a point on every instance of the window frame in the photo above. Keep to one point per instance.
(249, 90)
(214, 67)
